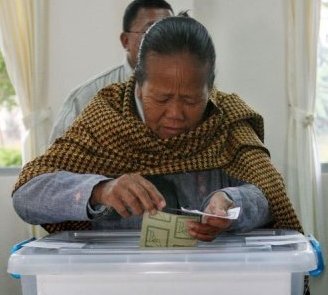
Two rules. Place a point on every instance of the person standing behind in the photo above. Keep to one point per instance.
(139, 15)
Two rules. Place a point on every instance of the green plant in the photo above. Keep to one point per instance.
(7, 92)
(10, 157)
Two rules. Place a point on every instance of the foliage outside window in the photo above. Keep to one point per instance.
(11, 128)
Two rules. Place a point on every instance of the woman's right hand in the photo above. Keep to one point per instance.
(129, 194)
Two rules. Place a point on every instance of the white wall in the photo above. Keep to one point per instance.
(250, 43)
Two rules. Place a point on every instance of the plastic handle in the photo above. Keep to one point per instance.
(15, 248)
(320, 263)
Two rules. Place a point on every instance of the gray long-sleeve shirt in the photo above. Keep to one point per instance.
(81, 96)
(61, 196)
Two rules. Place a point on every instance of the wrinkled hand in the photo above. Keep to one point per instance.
(129, 194)
(210, 227)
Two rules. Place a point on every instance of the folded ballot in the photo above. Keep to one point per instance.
(166, 230)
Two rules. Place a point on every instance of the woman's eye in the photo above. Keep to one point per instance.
(161, 98)
(191, 101)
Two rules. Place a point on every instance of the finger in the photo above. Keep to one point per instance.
(219, 222)
(212, 218)
(203, 228)
(120, 208)
(143, 197)
(201, 236)
(152, 193)
(133, 203)
(134, 190)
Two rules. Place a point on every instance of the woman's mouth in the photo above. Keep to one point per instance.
(172, 131)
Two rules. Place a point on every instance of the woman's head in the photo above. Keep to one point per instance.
(174, 74)
(177, 35)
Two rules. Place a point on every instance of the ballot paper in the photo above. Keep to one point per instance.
(166, 230)
(231, 213)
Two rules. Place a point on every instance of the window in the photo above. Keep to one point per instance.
(11, 127)
(322, 86)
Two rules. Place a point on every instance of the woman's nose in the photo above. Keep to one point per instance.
(175, 110)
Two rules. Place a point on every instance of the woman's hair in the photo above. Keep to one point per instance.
(174, 35)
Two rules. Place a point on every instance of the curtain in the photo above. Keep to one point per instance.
(23, 45)
(303, 167)
(23, 28)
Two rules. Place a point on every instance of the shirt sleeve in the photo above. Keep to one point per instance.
(254, 206)
(56, 197)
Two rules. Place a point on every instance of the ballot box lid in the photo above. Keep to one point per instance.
(119, 251)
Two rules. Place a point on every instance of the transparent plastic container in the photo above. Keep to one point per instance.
(88, 262)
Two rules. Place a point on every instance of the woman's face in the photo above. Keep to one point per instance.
(174, 94)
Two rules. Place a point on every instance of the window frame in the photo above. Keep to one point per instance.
(10, 171)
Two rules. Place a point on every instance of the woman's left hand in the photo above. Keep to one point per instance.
(211, 227)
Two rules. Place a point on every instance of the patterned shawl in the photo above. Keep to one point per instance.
(109, 138)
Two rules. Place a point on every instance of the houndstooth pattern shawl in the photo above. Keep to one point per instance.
(109, 138)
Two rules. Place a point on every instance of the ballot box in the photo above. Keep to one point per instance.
(93, 262)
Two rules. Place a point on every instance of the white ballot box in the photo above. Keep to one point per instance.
(93, 262)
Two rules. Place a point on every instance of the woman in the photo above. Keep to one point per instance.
(165, 139)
